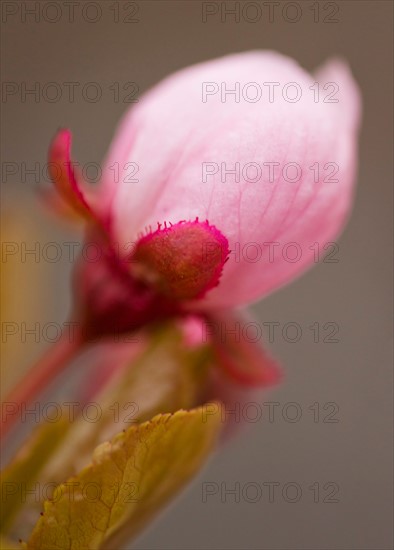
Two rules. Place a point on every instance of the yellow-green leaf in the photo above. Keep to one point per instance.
(166, 377)
(22, 473)
(129, 479)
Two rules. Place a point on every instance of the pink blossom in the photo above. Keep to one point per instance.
(183, 227)
(181, 238)
(174, 130)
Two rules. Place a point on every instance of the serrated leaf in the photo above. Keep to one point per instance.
(166, 377)
(133, 475)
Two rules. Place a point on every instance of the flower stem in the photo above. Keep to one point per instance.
(38, 378)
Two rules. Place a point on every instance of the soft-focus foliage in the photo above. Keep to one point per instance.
(25, 469)
(130, 478)
(159, 374)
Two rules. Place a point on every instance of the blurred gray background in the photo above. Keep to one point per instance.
(355, 374)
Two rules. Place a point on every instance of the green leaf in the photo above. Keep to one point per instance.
(128, 481)
(18, 478)
(166, 377)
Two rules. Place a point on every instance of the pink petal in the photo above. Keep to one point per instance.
(63, 175)
(172, 132)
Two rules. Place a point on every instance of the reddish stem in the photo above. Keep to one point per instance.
(38, 378)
